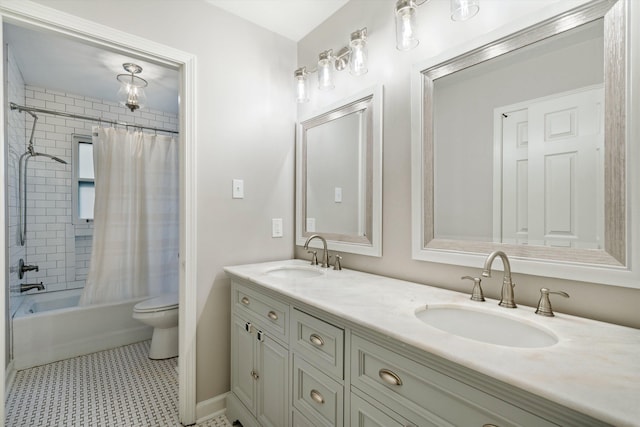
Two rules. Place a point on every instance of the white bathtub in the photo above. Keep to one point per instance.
(50, 327)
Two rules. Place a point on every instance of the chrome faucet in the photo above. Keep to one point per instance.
(325, 254)
(506, 298)
(24, 287)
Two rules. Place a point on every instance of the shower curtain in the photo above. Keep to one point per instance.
(135, 238)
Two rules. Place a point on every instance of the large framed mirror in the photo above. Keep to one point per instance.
(339, 175)
(523, 144)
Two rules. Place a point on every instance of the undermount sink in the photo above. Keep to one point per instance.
(294, 272)
(485, 326)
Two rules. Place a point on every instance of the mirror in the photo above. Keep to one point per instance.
(338, 175)
(519, 145)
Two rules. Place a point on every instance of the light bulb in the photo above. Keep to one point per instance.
(461, 10)
(325, 70)
(302, 85)
(405, 25)
(358, 55)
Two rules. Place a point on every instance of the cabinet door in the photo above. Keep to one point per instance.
(243, 383)
(273, 383)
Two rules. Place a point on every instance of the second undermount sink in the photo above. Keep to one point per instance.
(485, 326)
(294, 272)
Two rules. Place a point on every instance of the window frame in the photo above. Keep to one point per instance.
(78, 139)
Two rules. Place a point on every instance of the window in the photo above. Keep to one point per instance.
(83, 194)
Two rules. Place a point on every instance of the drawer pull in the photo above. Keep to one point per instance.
(272, 315)
(316, 340)
(248, 327)
(255, 375)
(245, 300)
(316, 397)
(389, 377)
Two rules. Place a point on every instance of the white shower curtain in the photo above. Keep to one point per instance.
(135, 238)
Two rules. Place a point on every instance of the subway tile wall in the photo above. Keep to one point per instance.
(60, 248)
(16, 146)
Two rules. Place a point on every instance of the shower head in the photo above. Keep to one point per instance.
(57, 159)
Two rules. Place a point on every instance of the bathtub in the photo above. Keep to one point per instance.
(51, 326)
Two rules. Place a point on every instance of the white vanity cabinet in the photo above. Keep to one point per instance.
(259, 359)
(296, 362)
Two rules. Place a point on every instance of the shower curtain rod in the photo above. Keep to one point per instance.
(22, 108)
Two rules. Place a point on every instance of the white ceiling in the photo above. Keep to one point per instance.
(55, 62)
(292, 19)
(60, 63)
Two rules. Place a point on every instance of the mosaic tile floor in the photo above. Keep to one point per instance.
(118, 387)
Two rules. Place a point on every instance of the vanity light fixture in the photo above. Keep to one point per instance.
(353, 56)
(406, 39)
(325, 70)
(461, 10)
(131, 91)
(302, 84)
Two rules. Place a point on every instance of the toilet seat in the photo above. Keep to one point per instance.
(160, 303)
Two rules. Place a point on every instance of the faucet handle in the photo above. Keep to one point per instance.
(314, 257)
(544, 304)
(337, 265)
(476, 293)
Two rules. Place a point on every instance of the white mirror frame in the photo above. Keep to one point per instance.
(614, 266)
(372, 245)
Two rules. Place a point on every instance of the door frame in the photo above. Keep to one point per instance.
(26, 12)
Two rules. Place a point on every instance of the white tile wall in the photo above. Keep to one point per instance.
(61, 249)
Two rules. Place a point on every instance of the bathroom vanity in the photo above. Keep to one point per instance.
(316, 347)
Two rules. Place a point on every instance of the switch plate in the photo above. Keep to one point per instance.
(276, 227)
(238, 189)
(311, 224)
(338, 195)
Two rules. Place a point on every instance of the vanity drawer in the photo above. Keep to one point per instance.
(317, 396)
(271, 315)
(401, 383)
(321, 343)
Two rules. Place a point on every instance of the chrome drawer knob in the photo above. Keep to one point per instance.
(245, 300)
(255, 375)
(272, 315)
(316, 397)
(389, 377)
(316, 340)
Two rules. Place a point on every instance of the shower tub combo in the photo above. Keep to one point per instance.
(51, 327)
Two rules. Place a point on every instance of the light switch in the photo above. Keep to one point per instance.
(276, 227)
(311, 224)
(238, 189)
(338, 195)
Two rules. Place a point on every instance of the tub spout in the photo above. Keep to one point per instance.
(24, 287)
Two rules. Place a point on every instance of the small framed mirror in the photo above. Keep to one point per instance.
(522, 144)
(339, 175)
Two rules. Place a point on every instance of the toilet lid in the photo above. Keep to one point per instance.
(159, 303)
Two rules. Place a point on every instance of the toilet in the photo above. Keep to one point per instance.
(161, 313)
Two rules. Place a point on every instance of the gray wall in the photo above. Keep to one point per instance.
(245, 129)
(392, 68)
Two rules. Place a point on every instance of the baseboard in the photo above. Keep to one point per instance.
(211, 407)
(9, 376)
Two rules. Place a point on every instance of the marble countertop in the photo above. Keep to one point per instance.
(594, 368)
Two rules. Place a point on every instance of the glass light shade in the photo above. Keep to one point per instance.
(406, 25)
(131, 93)
(302, 85)
(358, 55)
(325, 71)
(461, 10)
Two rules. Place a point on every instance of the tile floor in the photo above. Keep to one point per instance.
(118, 387)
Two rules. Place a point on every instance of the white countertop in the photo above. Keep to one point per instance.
(593, 369)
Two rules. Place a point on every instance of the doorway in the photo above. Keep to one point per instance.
(49, 20)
